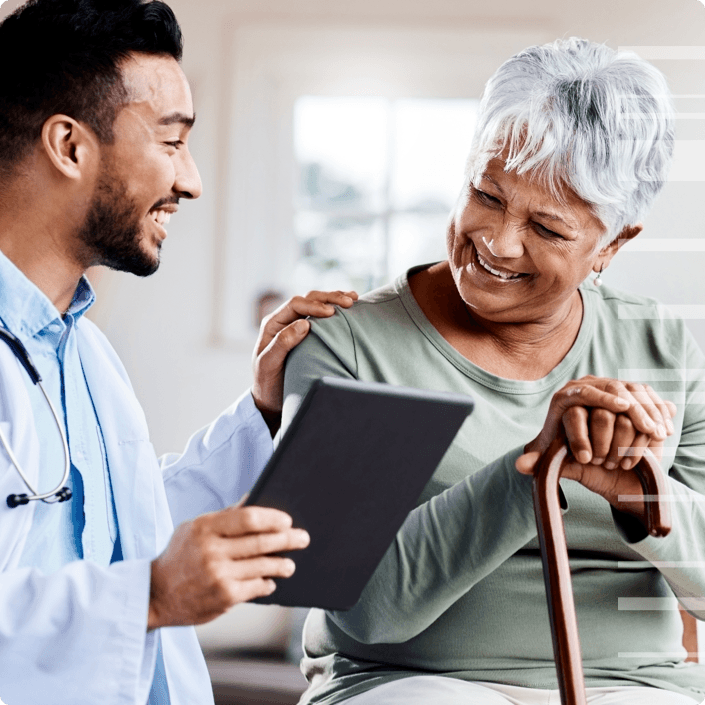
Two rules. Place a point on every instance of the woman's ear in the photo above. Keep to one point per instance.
(70, 146)
(609, 251)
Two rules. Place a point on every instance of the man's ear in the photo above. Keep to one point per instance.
(609, 251)
(71, 147)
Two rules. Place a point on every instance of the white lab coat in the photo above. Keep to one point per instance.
(78, 636)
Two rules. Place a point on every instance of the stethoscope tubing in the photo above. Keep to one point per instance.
(58, 494)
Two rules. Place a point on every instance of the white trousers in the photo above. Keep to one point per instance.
(440, 690)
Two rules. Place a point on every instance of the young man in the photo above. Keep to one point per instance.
(95, 115)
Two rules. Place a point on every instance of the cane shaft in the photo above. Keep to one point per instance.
(554, 556)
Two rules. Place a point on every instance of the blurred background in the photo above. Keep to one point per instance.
(331, 138)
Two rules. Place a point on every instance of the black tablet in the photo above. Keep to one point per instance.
(349, 469)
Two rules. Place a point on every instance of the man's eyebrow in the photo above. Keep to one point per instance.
(174, 118)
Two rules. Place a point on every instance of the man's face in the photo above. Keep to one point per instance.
(146, 170)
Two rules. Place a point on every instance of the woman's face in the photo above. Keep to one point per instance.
(516, 253)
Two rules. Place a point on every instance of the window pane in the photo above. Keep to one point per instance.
(342, 148)
(339, 251)
(378, 179)
(416, 238)
(431, 143)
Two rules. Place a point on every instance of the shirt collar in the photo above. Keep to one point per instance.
(25, 310)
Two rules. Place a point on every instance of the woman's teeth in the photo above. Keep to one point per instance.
(161, 217)
(501, 275)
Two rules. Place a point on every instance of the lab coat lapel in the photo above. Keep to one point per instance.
(132, 463)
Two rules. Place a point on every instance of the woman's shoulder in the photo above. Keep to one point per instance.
(627, 306)
(374, 311)
(611, 297)
(639, 326)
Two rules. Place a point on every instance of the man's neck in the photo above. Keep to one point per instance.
(35, 241)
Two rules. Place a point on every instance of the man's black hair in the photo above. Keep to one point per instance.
(63, 56)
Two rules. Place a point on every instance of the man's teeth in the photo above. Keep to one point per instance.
(501, 275)
(161, 217)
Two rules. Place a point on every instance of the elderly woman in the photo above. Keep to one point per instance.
(574, 141)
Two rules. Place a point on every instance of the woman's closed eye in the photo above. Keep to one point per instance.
(545, 232)
(486, 199)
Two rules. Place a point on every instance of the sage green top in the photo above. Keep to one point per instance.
(460, 592)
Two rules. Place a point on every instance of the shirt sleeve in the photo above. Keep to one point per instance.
(446, 545)
(220, 463)
(680, 556)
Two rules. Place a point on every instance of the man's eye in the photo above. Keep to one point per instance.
(176, 144)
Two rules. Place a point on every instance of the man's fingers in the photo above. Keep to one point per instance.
(261, 567)
(247, 590)
(319, 304)
(266, 543)
(316, 303)
(270, 363)
(575, 424)
(241, 521)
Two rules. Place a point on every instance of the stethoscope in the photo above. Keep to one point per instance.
(60, 493)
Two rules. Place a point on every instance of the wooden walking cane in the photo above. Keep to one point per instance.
(554, 556)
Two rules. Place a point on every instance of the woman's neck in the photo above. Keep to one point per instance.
(522, 350)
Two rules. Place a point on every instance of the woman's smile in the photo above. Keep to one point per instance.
(501, 274)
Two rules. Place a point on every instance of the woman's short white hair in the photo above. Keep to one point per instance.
(579, 114)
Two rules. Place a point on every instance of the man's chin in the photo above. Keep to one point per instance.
(140, 264)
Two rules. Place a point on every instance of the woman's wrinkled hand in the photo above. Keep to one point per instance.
(607, 425)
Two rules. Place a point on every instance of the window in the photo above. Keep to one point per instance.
(377, 180)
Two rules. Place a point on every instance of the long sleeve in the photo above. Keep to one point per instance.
(220, 463)
(445, 547)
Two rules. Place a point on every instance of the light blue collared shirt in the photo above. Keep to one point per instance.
(86, 526)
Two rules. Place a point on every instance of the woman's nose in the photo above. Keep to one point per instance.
(507, 239)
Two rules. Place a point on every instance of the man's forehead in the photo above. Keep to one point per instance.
(157, 83)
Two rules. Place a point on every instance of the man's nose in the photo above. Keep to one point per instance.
(188, 181)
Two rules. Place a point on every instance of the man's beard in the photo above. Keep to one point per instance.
(112, 231)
